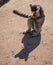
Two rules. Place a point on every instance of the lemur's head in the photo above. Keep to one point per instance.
(36, 8)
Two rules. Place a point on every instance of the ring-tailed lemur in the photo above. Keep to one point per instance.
(36, 20)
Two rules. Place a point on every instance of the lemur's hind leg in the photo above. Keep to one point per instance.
(35, 30)
(29, 27)
(35, 27)
(29, 23)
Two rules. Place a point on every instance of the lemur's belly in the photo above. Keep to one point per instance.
(37, 23)
(30, 23)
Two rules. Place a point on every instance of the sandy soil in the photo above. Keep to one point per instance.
(17, 49)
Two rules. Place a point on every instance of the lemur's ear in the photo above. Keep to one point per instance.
(41, 10)
(38, 7)
(30, 5)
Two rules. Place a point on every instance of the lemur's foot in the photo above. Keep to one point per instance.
(26, 32)
(35, 34)
(32, 33)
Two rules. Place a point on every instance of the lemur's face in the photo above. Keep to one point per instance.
(35, 8)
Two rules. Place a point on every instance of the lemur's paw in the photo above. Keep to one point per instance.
(34, 34)
(27, 32)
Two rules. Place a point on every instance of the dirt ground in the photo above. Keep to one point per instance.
(18, 49)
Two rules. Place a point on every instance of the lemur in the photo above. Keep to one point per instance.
(35, 21)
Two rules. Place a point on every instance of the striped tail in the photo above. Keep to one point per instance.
(20, 14)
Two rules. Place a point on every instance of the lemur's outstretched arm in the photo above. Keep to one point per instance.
(21, 14)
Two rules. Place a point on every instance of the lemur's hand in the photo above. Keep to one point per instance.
(33, 17)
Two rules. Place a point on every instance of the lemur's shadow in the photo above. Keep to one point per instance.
(3, 2)
(29, 45)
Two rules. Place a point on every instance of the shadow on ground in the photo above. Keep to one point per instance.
(2, 2)
(29, 45)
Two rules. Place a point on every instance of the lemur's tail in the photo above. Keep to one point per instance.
(20, 14)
